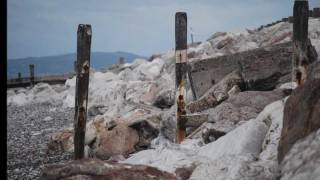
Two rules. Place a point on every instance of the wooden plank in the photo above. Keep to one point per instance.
(82, 83)
(181, 72)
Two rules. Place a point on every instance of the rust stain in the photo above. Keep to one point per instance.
(181, 104)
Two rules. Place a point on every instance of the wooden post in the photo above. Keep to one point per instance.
(121, 60)
(19, 77)
(31, 67)
(300, 37)
(181, 72)
(82, 84)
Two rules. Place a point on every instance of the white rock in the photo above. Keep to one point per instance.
(246, 138)
(48, 118)
(289, 85)
(166, 159)
(273, 115)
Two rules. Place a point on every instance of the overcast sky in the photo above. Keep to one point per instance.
(144, 27)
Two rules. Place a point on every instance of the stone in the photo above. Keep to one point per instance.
(195, 120)
(217, 93)
(247, 138)
(223, 43)
(121, 140)
(303, 159)
(168, 158)
(272, 115)
(217, 34)
(241, 107)
(260, 68)
(95, 110)
(168, 124)
(61, 141)
(154, 56)
(97, 169)
(234, 90)
(244, 166)
(148, 128)
(301, 112)
(184, 172)
(209, 135)
(165, 99)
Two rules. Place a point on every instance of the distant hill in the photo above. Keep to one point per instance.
(59, 64)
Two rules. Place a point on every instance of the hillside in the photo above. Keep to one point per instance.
(60, 64)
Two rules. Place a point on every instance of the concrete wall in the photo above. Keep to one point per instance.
(258, 67)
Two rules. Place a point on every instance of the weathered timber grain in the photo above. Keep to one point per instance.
(300, 37)
(82, 83)
(181, 72)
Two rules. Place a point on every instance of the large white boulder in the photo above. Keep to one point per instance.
(245, 139)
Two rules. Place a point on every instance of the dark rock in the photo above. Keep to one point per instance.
(148, 129)
(96, 169)
(96, 110)
(301, 112)
(211, 135)
(165, 99)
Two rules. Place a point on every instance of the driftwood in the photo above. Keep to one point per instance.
(98, 169)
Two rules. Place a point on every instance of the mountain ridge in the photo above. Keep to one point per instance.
(63, 63)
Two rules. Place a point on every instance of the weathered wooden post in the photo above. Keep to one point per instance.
(121, 60)
(19, 77)
(82, 83)
(181, 72)
(31, 67)
(300, 37)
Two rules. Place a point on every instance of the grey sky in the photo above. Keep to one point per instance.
(48, 27)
